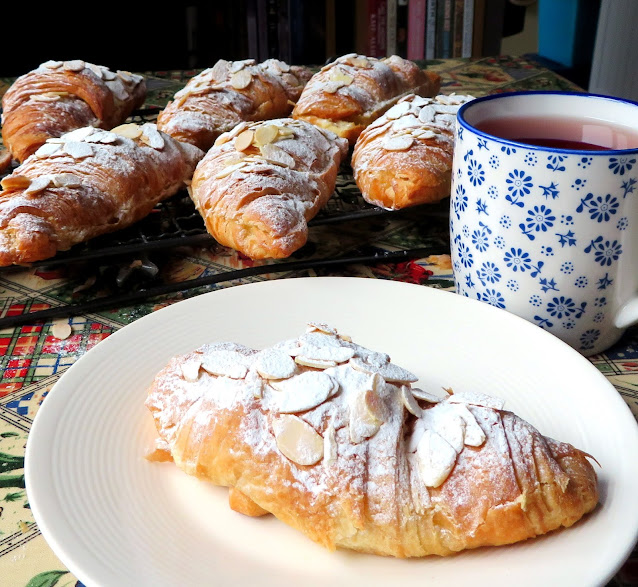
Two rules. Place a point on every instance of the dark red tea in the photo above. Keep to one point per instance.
(562, 133)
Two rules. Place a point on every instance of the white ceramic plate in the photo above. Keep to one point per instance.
(116, 519)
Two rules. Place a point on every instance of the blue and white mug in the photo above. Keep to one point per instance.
(546, 232)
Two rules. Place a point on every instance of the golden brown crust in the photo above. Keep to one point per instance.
(231, 92)
(351, 92)
(257, 197)
(87, 183)
(377, 481)
(58, 97)
(405, 157)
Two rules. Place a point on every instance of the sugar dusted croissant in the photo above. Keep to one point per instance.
(87, 183)
(404, 158)
(60, 96)
(351, 92)
(219, 98)
(260, 184)
(333, 439)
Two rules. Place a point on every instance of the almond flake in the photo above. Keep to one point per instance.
(129, 130)
(447, 424)
(314, 363)
(265, 134)
(409, 402)
(331, 87)
(66, 180)
(477, 399)
(107, 74)
(435, 458)
(338, 75)
(367, 413)
(219, 71)
(297, 440)
(302, 392)
(426, 114)
(79, 134)
(15, 182)
(241, 79)
(398, 143)
(225, 364)
(190, 369)
(230, 169)
(101, 136)
(425, 395)
(152, 137)
(244, 140)
(44, 97)
(389, 371)
(275, 364)
(329, 444)
(398, 110)
(474, 435)
(74, 65)
(278, 156)
(38, 185)
(52, 64)
(78, 150)
(118, 89)
(61, 330)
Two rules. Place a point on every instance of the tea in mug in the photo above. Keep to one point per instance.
(576, 134)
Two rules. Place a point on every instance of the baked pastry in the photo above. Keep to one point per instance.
(219, 98)
(351, 92)
(60, 96)
(334, 439)
(86, 183)
(259, 184)
(404, 158)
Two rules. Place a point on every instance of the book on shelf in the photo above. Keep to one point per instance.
(391, 27)
(416, 28)
(430, 29)
(402, 28)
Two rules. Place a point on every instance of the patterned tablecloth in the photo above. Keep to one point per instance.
(33, 357)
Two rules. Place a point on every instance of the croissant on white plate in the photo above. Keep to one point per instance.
(335, 440)
(60, 96)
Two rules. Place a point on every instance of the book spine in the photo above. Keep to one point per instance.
(382, 27)
(392, 27)
(402, 28)
(416, 26)
(468, 26)
(430, 30)
(457, 28)
(444, 29)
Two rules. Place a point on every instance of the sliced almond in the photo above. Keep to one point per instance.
(476, 399)
(314, 363)
(275, 364)
(297, 440)
(38, 185)
(129, 130)
(474, 435)
(77, 149)
(338, 75)
(79, 134)
(47, 97)
(101, 136)
(290, 79)
(241, 79)
(329, 444)
(48, 149)
(398, 143)
(278, 156)
(435, 458)
(367, 413)
(230, 169)
(423, 395)
(398, 110)
(15, 182)
(66, 180)
(321, 327)
(302, 392)
(225, 363)
(152, 137)
(331, 87)
(389, 371)
(409, 402)
(190, 369)
(244, 140)
(74, 65)
(265, 134)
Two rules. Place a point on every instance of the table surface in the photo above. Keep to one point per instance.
(33, 358)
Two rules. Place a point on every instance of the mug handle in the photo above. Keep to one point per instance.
(627, 315)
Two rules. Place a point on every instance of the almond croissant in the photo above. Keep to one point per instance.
(259, 185)
(351, 92)
(333, 439)
(230, 92)
(60, 96)
(86, 183)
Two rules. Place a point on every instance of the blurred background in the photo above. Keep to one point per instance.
(584, 40)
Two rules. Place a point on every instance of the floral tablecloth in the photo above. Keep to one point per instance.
(33, 354)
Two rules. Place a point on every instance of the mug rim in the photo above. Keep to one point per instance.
(585, 95)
